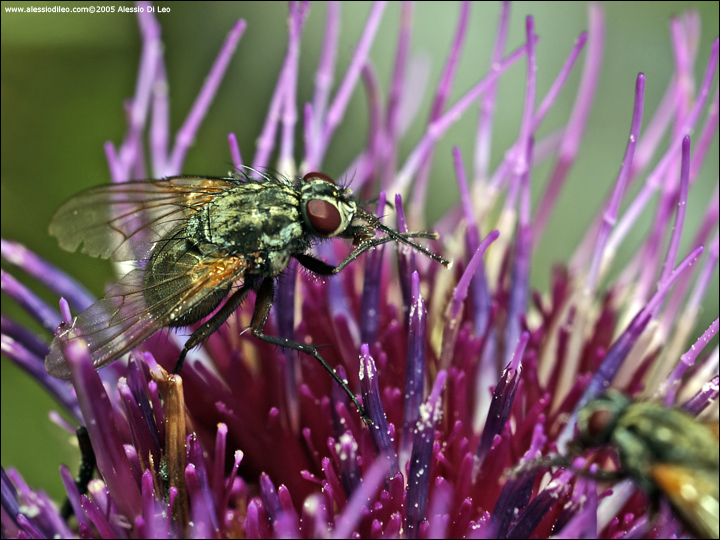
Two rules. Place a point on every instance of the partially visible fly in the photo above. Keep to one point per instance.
(197, 240)
(666, 452)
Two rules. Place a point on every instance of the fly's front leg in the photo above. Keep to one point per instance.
(316, 266)
(368, 244)
(322, 268)
(263, 303)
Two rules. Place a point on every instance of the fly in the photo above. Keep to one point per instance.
(194, 239)
(666, 452)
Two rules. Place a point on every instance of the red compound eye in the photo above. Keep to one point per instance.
(318, 176)
(599, 422)
(323, 216)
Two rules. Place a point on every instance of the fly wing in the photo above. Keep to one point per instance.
(693, 492)
(123, 221)
(122, 320)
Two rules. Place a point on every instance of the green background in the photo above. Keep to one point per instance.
(65, 76)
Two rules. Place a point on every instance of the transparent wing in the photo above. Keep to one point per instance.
(122, 320)
(123, 221)
(693, 493)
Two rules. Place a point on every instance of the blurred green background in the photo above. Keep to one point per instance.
(65, 76)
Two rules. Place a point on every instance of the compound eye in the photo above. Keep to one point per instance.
(318, 176)
(598, 423)
(323, 216)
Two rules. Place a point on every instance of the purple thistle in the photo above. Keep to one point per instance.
(466, 374)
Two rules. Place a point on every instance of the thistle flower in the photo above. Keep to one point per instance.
(466, 374)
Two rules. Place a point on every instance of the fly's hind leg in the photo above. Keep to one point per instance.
(215, 322)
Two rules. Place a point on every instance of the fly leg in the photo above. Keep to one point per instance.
(324, 269)
(86, 471)
(215, 322)
(263, 303)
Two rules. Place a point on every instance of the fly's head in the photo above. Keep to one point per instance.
(327, 209)
(598, 419)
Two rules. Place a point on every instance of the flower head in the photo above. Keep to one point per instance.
(466, 374)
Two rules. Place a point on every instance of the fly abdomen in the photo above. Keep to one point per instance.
(170, 274)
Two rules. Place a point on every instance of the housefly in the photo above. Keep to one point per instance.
(197, 240)
(664, 451)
